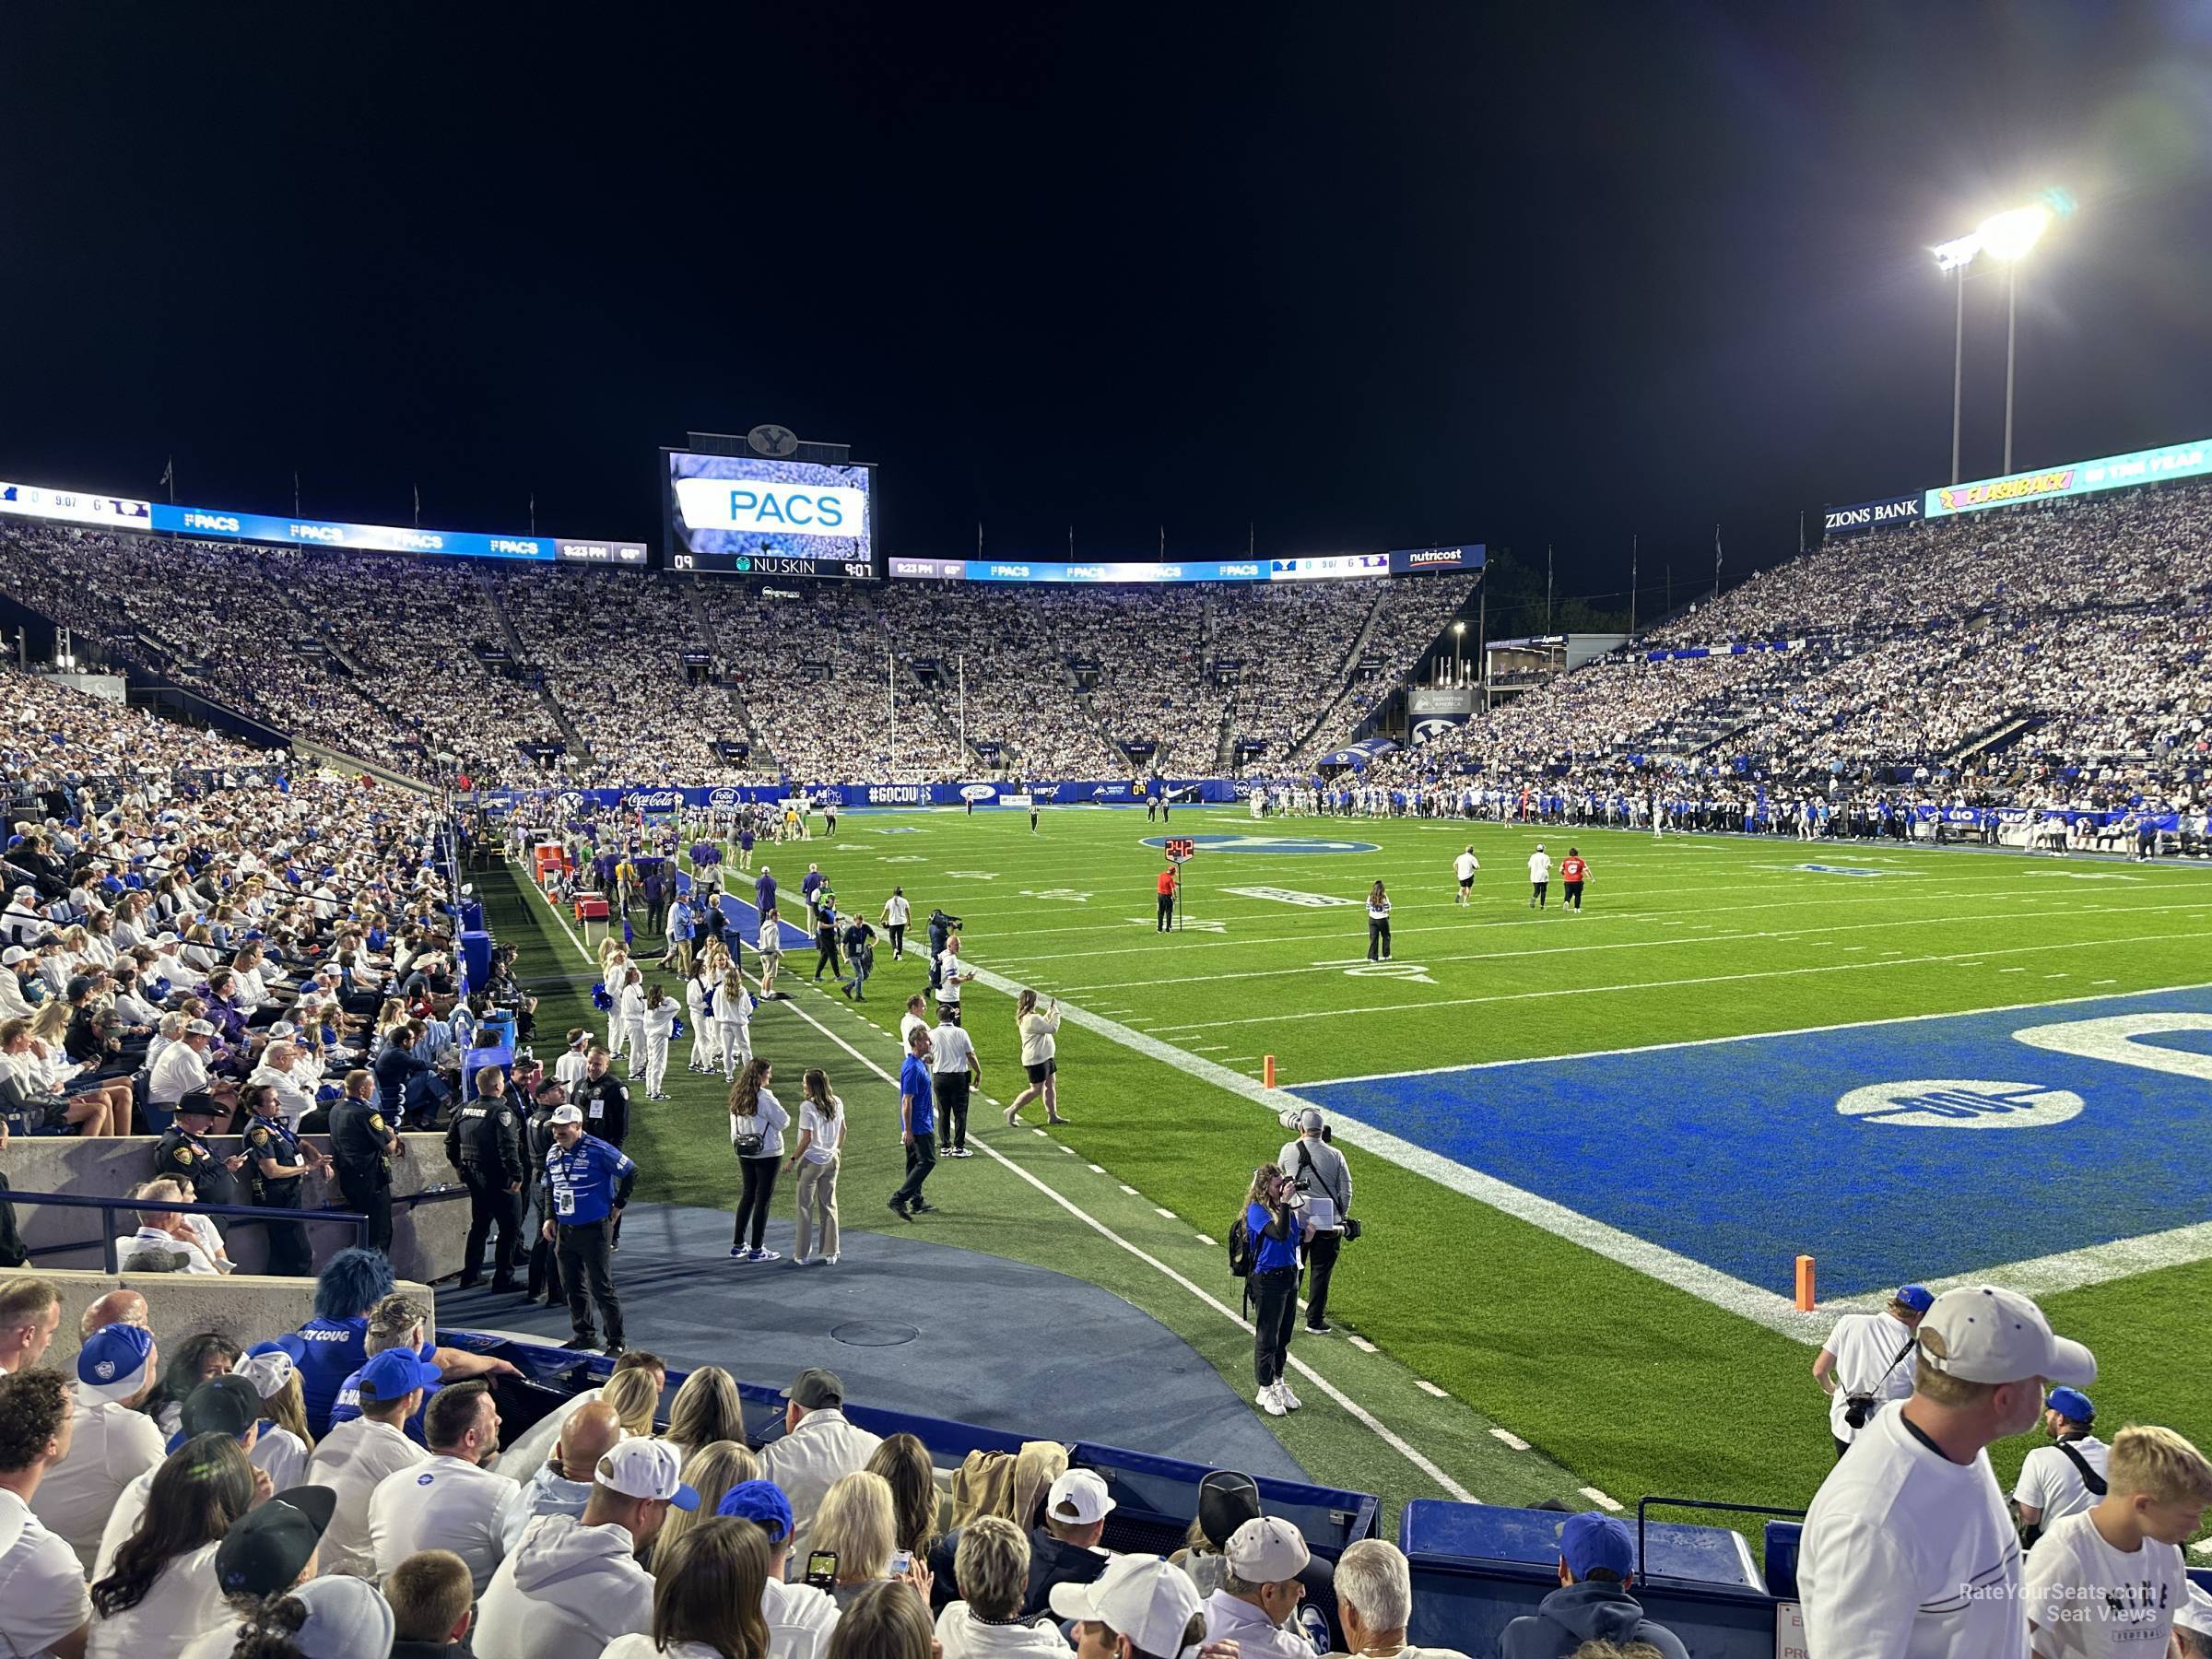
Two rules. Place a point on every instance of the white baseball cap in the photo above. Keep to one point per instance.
(1078, 1496)
(1141, 1596)
(1982, 1334)
(1266, 1551)
(566, 1113)
(646, 1468)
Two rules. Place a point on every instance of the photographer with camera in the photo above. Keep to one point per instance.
(1323, 1180)
(1865, 1362)
(1274, 1221)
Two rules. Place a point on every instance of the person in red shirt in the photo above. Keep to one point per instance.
(1572, 871)
(1167, 898)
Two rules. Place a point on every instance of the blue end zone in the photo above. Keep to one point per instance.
(745, 920)
(1894, 1152)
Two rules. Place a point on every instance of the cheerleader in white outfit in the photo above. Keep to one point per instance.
(657, 1025)
(733, 1013)
(706, 1030)
(630, 1013)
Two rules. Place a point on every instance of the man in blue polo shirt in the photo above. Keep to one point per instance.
(917, 1125)
(764, 892)
(591, 1184)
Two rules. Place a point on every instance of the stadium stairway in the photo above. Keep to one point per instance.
(577, 747)
(914, 1326)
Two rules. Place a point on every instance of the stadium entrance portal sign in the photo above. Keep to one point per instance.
(1265, 844)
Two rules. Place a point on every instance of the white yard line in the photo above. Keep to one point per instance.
(1361, 1412)
(1711, 979)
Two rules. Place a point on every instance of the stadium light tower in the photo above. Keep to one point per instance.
(2009, 237)
(1459, 632)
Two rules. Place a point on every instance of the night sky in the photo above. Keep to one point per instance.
(1357, 276)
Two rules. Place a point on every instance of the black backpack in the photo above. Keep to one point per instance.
(1243, 1250)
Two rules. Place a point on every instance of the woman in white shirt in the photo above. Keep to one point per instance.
(161, 1591)
(706, 1030)
(1378, 923)
(821, 1137)
(733, 1019)
(630, 1014)
(657, 1022)
(756, 1123)
(282, 1448)
(1039, 1029)
(710, 1585)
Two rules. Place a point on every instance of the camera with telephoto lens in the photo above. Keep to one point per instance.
(938, 918)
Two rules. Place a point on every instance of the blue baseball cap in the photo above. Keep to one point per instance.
(2073, 1405)
(762, 1501)
(113, 1364)
(394, 1374)
(1918, 1298)
(1594, 1542)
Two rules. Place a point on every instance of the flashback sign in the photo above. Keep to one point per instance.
(2077, 478)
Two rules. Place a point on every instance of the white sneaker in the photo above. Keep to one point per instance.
(831, 1260)
(1282, 1392)
(1270, 1401)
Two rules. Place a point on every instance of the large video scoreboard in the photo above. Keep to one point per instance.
(748, 515)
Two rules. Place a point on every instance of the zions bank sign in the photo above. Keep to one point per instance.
(1871, 516)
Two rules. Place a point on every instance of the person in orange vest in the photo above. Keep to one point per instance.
(1167, 896)
(1572, 871)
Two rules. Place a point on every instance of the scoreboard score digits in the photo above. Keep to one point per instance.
(746, 515)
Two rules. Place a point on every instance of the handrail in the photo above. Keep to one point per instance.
(328, 1217)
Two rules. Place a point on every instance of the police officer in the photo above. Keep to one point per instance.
(590, 1182)
(484, 1143)
(185, 1156)
(276, 1161)
(362, 1148)
(545, 1261)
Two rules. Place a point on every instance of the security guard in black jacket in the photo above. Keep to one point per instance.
(185, 1157)
(484, 1143)
(277, 1163)
(544, 1254)
(362, 1147)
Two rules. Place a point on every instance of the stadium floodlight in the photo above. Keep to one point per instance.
(2013, 235)
(2009, 237)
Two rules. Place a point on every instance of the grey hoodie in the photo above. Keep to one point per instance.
(564, 1592)
(1585, 1612)
(548, 1492)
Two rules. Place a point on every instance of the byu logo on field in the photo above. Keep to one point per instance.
(1961, 1103)
(1267, 844)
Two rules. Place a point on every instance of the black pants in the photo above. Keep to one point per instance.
(585, 1265)
(1321, 1265)
(490, 1206)
(952, 1109)
(759, 1174)
(1538, 891)
(1572, 893)
(290, 1254)
(825, 956)
(1275, 1309)
(1378, 936)
(1167, 910)
(921, 1158)
(544, 1254)
(898, 931)
(371, 1194)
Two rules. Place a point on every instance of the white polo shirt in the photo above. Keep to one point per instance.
(1539, 866)
(1464, 866)
(353, 1460)
(46, 1598)
(446, 1504)
(952, 1051)
(1910, 1556)
(110, 1447)
(948, 976)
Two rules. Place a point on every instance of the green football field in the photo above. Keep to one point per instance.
(1584, 1189)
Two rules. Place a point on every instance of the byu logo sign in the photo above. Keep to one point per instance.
(1961, 1103)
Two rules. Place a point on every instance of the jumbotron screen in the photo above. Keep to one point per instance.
(744, 515)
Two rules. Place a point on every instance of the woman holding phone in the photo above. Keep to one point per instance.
(1039, 1029)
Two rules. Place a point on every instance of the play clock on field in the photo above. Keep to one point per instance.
(1180, 848)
